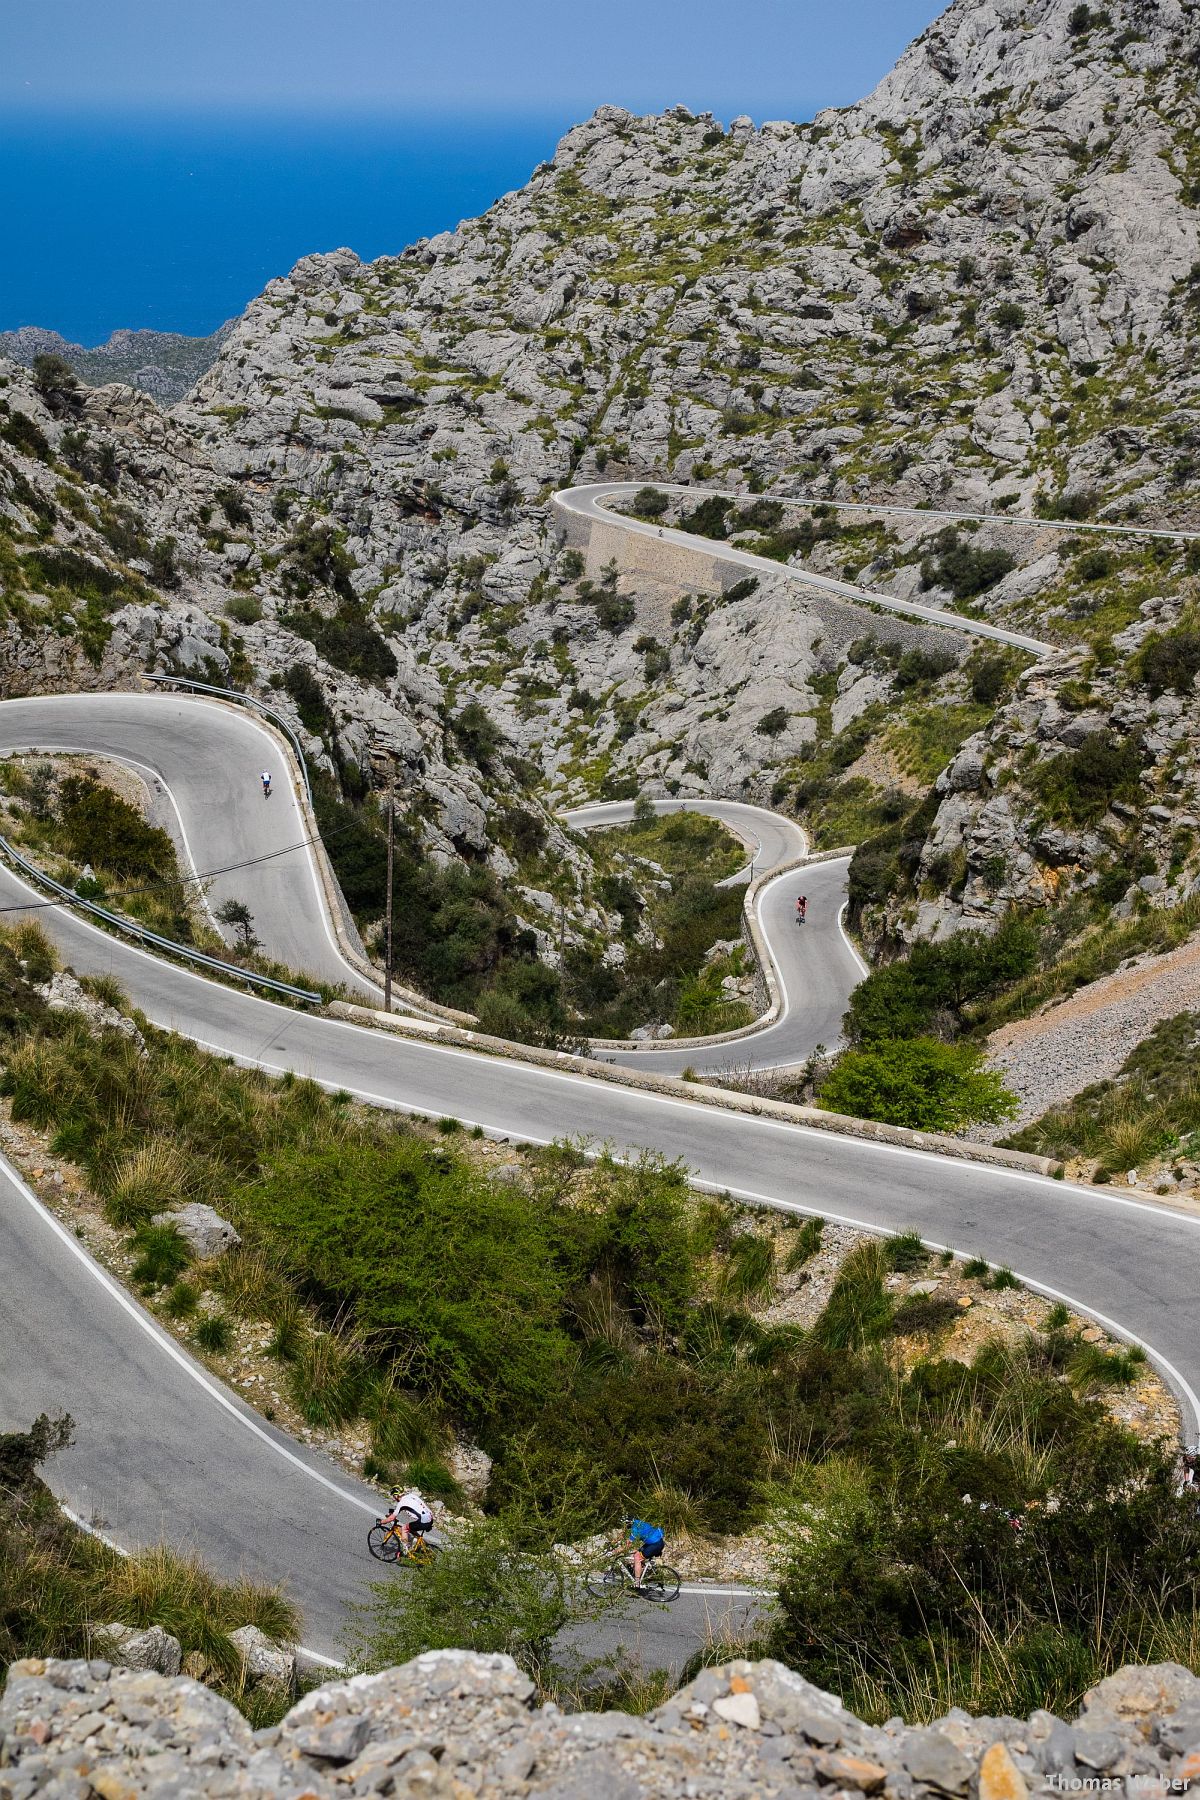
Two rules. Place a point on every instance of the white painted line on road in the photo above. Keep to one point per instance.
(848, 940)
(168, 1345)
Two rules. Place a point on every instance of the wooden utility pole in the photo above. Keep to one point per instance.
(391, 857)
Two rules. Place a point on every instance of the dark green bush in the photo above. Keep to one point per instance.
(709, 519)
(650, 503)
(103, 829)
(988, 680)
(917, 1082)
(1080, 785)
(938, 982)
(1169, 659)
(349, 640)
(962, 568)
(304, 688)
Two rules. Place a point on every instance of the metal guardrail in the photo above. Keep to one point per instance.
(131, 928)
(206, 687)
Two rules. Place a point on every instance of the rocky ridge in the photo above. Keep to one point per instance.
(163, 364)
(453, 1724)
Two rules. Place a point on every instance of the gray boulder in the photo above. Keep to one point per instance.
(262, 1660)
(132, 1647)
(205, 1232)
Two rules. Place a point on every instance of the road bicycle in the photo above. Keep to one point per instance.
(659, 1583)
(386, 1541)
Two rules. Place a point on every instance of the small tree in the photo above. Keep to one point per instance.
(237, 915)
(644, 814)
(57, 383)
(919, 1083)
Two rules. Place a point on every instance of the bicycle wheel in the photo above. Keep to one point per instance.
(660, 1584)
(608, 1582)
(383, 1542)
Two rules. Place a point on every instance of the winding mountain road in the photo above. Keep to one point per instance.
(814, 965)
(160, 1445)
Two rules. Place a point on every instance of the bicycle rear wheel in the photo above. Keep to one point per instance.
(383, 1543)
(608, 1582)
(661, 1583)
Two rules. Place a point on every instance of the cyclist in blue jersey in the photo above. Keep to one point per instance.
(646, 1542)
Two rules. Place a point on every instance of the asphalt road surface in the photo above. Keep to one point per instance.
(159, 1444)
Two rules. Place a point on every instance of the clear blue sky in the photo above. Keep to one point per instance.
(770, 58)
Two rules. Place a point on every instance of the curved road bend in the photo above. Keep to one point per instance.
(208, 759)
(587, 501)
(815, 964)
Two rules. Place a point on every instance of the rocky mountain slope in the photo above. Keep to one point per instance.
(977, 289)
(453, 1724)
(164, 364)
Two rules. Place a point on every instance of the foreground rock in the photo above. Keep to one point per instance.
(202, 1228)
(455, 1724)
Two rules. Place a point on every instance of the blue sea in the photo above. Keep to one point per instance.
(175, 221)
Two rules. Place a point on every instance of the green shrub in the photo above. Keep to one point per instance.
(467, 1302)
(709, 519)
(102, 828)
(214, 1333)
(478, 734)
(919, 1083)
(939, 981)
(162, 1255)
(244, 609)
(1081, 785)
(1169, 659)
(486, 1592)
(309, 696)
(773, 722)
(989, 678)
(650, 503)
(962, 568)
(349, 640)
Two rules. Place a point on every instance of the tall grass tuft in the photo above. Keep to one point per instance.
(146, 1181)
(804, 1248)
(859, 1310)
(328, 1379)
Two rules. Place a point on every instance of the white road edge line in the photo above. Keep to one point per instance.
(167, 1344)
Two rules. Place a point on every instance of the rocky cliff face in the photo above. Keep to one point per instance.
(454, 1725)
(977, 289)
